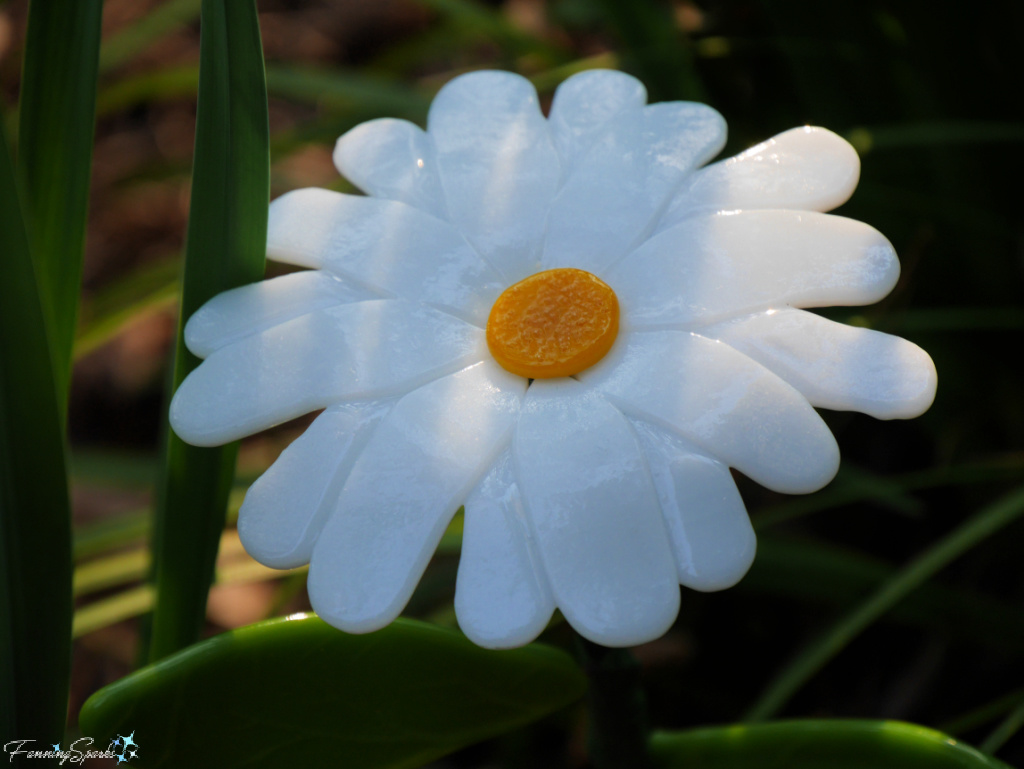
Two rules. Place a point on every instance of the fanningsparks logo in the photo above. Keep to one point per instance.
(121, 748)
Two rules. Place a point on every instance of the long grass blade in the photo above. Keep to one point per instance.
(225, 247)
(1006, 729)
(836, 638)
(57, 116)
(983, 714)
(850, 488)
(35, 522)
(156, 24)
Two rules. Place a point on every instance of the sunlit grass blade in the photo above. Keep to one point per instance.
(130, 603)
(111, 571)
(818, 744)
(35, 522)
(57, 116)
(158, 23)
(234, 567)
(104, 536)
(809, 661)
(225, 247)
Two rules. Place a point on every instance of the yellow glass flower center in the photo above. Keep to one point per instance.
(555, 323)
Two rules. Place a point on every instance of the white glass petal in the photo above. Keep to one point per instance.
(621, 186)
(584, 105)
(502, 598)
(393, 159)
(419, 466)
(732, 408)
(714, 267)
(498, 165)
(385, 245)
(711, 535)
(350, 352)
(595, 515)
(247, 310)
(804, 168)
(287, 506)
(837, 366)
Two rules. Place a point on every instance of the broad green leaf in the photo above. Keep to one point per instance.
(57, 116)
(225, 247)
(817, 745)
(302, 694)
(35, 522)
(808, 662)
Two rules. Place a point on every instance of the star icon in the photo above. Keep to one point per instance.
(56, 748)
(130, 740)
(116, 742)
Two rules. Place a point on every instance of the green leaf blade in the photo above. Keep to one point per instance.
(831, 642)
(225, 247)
(55, 135)
(309, 695)
(35, 520)
(817, 744)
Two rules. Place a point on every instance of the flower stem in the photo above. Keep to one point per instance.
(618, 710)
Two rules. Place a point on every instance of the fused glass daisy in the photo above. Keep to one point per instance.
(565, 324)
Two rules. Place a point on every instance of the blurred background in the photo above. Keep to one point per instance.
(929, 93)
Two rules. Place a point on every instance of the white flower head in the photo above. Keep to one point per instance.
(596, 488)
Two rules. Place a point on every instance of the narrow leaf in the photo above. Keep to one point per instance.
(817, 745)
(35, 522)
(314, 696)
(836, 638)
(58, 108)
(823, 574)
(158, 23)
(1006, 729)
(225, 248)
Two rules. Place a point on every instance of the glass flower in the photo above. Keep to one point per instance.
(566, 325)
